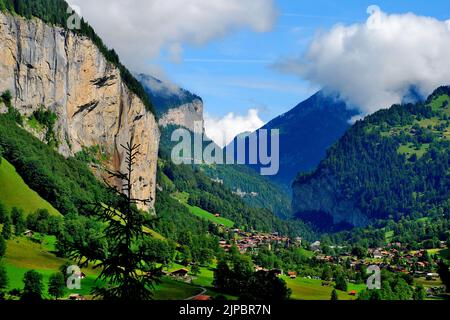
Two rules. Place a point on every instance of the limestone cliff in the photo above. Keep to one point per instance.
(174, 105)
(50, 67)
(185, 116)
(319, 200)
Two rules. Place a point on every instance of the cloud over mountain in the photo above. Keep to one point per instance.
(141, 29)
(223, 130)
(375, 64)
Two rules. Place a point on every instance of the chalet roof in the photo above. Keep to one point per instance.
(181, 271)
(202, 298)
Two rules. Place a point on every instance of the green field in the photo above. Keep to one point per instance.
(183, 198)
(16, 274)
(170, 289)
(310, 289)
(205, 278)
(210, 217)
(305, 253)
(408, 150)
(389, 235)
(437, 103)
(15, 193)
(23, 254)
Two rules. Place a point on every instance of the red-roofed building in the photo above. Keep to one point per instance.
(201, 298)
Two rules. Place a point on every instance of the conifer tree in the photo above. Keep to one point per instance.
(128, 270)
(334, 295)
(6, 230)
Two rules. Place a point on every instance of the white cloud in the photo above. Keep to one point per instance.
(223, 130)
(141, 29)
(375, 64)
(163, 88)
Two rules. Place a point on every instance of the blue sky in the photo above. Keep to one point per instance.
(235, 73)
(226, 51)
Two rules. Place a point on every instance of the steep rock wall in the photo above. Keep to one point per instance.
(50, 67)
(185, 116)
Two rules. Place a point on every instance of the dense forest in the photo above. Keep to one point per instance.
(395, 163)
(55, 12)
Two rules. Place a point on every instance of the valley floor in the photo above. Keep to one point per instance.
(24, 254)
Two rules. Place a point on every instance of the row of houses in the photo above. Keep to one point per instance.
(247, 241)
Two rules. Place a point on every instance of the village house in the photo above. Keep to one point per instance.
(376, 253)
(76, 297)
(432, 276)
(353, 293)
(29, 234)
(315, 246)
(181, 273)
(277, 272)
(251, 241)
(202, 297)
(324, 258)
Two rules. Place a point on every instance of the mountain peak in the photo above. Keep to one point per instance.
(307, 131)
(165, 95)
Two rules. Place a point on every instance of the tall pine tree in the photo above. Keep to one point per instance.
(127, 269)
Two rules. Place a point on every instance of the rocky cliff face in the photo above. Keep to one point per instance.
(185, 116)
(49, 67)
(174, 105)
(317, 202)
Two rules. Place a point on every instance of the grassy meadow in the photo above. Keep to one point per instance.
(15, 193)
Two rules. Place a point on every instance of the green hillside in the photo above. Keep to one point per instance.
(310, 289)
(23, 255)
(209, 216)
(14, 192)
(203, 214)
